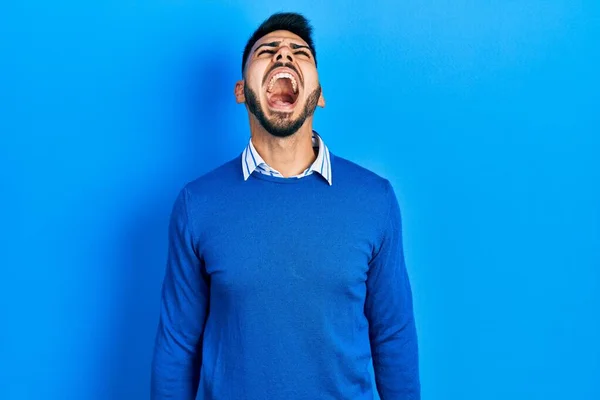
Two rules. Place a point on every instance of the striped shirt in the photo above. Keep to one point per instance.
(252, 161)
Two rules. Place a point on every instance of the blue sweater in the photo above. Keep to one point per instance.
(285, 289)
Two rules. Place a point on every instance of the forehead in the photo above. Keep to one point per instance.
(277, 36)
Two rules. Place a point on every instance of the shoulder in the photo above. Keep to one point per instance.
(211, 187)
(371, 192)
(361, 180)
(216, 179)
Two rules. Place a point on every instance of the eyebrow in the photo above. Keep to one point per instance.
(294, 46)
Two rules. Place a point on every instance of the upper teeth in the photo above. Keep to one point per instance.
(283, 75)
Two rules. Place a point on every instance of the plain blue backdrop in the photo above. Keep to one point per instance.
(483, 114)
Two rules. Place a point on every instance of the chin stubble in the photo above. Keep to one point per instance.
(281, 124)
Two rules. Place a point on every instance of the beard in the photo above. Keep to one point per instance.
(281, 124)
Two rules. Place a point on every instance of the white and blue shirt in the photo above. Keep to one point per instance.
(252, 161)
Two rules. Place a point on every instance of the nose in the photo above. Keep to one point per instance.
(284, 54)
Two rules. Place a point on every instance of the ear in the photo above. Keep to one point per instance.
(321, 102)
(239, 92)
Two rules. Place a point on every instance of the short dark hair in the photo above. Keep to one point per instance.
(292, 22)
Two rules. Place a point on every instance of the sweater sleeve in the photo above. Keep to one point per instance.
(183, 310)
(389, 310)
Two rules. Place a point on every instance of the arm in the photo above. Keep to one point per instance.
(183, 311)
(389, 309)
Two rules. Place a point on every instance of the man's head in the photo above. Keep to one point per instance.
(280, 84)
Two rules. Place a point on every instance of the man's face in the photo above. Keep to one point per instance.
(281, 85)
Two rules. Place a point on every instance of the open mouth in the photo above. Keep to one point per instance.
(282, 91)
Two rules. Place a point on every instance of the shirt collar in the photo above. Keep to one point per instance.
(252, 161)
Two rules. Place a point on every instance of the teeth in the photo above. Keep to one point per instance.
(280, 76)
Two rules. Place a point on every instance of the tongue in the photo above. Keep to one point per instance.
(281, 99)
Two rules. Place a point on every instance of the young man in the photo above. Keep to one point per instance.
(285, 271)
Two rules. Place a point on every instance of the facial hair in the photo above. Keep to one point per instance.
(281, 124)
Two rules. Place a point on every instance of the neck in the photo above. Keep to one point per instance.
(290, 155)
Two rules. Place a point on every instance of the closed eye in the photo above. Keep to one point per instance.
(303, 53)
(266, 51)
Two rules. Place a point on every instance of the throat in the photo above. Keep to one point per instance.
(290, 156)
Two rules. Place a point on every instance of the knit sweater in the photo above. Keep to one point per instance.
(286, 289)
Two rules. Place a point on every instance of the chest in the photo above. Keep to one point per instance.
(301, 252)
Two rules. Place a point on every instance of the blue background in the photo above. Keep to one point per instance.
(484, 115)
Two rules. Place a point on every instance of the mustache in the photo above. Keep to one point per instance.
(279, 65)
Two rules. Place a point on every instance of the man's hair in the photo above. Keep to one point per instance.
(291, 22)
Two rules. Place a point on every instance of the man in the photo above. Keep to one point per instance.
(285, 271)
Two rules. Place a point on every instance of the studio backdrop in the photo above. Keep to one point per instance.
(484, 115)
